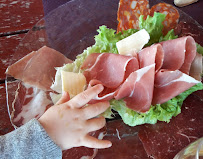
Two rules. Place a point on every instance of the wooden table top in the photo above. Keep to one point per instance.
(16, 19)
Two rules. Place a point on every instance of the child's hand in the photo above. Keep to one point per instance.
(68, 122)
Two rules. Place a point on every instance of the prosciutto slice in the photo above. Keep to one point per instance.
(138, 89)
(109, 69)
(30, 102)
(169, 84)
(38, 67)
(179, 54)
(138, 84)
(151, 55)
(196, 67)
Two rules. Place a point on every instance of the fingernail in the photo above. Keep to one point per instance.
(110, 144)
(101, 87)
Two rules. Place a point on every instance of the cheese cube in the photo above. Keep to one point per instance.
(73, 83)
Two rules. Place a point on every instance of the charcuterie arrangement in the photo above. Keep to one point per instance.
(147, 72)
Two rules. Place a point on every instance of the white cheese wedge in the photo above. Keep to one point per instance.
(73, 83)
(133, 43)
(182, 3)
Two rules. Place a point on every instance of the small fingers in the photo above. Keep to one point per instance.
(65, 97)
(95, 124)
(94, 110)
(83, 98)
(93, 142)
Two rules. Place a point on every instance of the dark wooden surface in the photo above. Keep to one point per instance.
(16, 18)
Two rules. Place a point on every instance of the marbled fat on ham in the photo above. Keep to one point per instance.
(38, 67)
(30, 102)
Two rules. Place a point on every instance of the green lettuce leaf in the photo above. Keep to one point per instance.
(169, 36)
(153, 25)
(161, 112)
(199, 49)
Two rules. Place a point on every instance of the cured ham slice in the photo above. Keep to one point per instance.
(169, 84)
(196, 67)
(38, 67)
(151, 55)
(109, 69)
(181, 51)
(103, 68)
(164, 141)
(106, 95)
(138, 89)
(30, 102)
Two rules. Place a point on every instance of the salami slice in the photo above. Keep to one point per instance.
(129, 12)
(172, 15)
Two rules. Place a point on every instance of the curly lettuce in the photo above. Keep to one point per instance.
(162, 112)
(154, 26)
(199, 49)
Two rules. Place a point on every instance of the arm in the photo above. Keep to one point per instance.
(30, 140)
